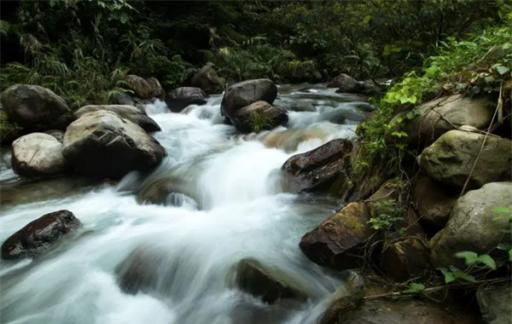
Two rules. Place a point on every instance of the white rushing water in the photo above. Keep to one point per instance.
(225, 204)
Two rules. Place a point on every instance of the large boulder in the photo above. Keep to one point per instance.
(317, 169)
(438, 116)
(495, 303)
(451, 157)
(245, 93)
(433, 201)
(267, 283)
(339, 241)
(473, 224)
(258, 116)
(129, 112)
(37, 154)
(182, 97)
(208, 80)
(345, 83)
(100, 143)
(35, 108)
(144, 88)
(39, 235)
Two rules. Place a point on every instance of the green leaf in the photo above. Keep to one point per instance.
(501, 69)
(487, 260)
(415, 288)
(449, 277)
(469, 257)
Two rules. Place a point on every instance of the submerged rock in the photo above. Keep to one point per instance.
(35, 108)
(258, 116)
(451, 157)
(317, 169)
(102, 144)
(473, 224)
(267, 283)
(182, 97)
(339, 241)
(129, 112)
(39, 235)
(495, 303)
(245, 93)
(208, 80)
(37, 154)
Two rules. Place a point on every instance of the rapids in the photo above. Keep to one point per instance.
(226, 205)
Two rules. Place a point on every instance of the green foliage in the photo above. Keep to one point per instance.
(385, 214)
(260, 121)
(415, 288)
(8, 128)
(474, 259)
(473, 66)
(454, 274)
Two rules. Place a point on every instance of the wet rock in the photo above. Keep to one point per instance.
(495, 303)
(131, 113)
(339, 241)
(123, 99)
(405, 259)
(39, 235)
(317, 169)
(102, 144)
(347, 297)
(258, 116)
(267, 283)
(434, 202)
(37, 154)
(35, 108)
(144, 88)
(438, 116)
(451, 157)
(167, 192)
(139, 272)
(411, 311)
(29, 190)
(345, 83)
(208, 80)
(182, 97)
(245, 93)
(473, 224)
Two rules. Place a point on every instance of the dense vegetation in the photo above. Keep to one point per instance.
(83, 49)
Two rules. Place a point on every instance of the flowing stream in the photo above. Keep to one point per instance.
(216, 199)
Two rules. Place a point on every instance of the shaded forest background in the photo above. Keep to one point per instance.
(84, 49)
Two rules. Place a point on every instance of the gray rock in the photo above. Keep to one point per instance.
(267, 283)
(339, 241)
(37, 154)
(495, 303)
(208, 80)
(39, 235)
(438, 116)
(129, 112)
(258, 116)
(473, 225)
(434, 202)
(182, 97)
(345, 83)
(35, 108)
(144, 88)
(245, 93)
(450, 159)
(100, 143)
(317, 169)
